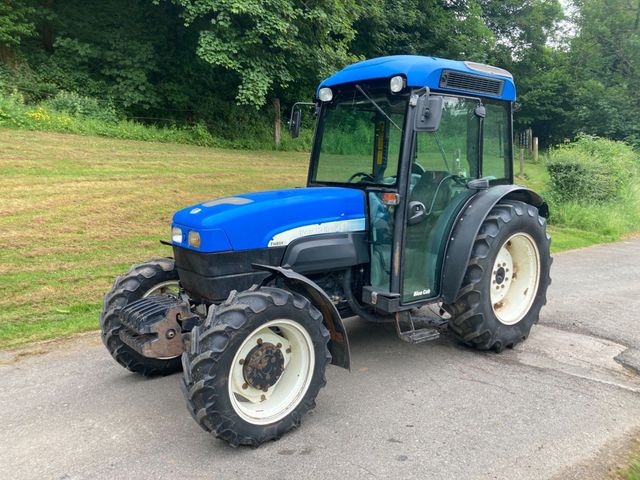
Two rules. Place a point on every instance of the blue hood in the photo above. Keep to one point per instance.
(271, 219)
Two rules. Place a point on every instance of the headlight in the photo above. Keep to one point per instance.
(396, 84)
(194, 239)
(325, 94)
(176, 235)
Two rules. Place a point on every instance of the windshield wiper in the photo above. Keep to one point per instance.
(377, 106)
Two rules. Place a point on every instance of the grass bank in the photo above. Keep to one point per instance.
(75, 211)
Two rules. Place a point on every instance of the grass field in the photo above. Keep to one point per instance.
(76, 211)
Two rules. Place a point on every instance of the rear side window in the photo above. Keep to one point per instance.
(496, 161)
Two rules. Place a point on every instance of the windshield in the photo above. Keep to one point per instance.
(359, 139)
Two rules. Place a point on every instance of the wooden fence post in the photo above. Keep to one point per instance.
(521, 169)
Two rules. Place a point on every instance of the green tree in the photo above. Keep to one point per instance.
(16, 23)
(524, 31)
(450, 29)
(273, 44)
(605, 63)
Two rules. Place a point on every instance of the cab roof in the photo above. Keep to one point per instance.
(436, 73)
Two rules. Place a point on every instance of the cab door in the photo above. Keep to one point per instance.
(442, 164)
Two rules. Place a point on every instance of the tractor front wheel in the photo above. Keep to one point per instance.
(506, 280)
(256, 365)
(154, 277)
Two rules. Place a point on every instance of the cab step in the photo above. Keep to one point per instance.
(420, 335)
(413, 334)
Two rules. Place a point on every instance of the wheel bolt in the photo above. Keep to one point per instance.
(245, 386)
(288, 350)
(242, 361)
(259, 341)
(263, 398)
(279, 345)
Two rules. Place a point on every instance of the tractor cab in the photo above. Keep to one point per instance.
(419, 136)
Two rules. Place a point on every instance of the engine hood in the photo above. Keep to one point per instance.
(271, 219)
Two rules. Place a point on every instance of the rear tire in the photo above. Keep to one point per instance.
(506, 280)
(150, 277)
(224, 398)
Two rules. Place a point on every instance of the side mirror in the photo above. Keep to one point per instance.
(294, 121)
(428, 113)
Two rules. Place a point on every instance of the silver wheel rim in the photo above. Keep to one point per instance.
(170, 287)
(262, 407)
(515, 278)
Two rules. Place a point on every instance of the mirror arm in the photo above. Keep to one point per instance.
(293, 107)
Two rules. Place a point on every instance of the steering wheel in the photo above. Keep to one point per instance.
(364, 176)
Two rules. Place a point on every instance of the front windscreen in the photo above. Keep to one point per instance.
(359, 139)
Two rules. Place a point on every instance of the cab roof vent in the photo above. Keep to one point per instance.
(471, 83)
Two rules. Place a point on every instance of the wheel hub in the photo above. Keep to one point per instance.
(263, 366)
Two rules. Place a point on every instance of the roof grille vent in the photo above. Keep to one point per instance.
(471, 83)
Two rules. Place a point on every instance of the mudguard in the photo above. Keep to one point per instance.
(466, 228)
(338, 343)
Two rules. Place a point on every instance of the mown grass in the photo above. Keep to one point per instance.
(76, 211)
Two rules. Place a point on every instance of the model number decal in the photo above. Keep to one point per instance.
(286, 237)
(419, 293)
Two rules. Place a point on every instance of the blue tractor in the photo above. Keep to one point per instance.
(409, 202)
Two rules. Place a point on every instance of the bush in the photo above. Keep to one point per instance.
(591, 170)
(80, 106)
(12, 111)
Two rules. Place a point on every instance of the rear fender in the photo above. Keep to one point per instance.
(466, 228)
(338, 343)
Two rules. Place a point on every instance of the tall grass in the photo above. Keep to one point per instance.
(594, 187)
(71, 113)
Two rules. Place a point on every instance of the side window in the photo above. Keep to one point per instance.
(496, 158)
(452, 149)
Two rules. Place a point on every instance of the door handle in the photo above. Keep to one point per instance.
(417, 212)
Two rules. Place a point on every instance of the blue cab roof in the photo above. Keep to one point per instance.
(421, 71)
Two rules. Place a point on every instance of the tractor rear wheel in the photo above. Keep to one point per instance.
(256, 365)
(506, 280)
(154, 277)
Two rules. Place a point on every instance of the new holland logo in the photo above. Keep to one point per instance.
(419, 293)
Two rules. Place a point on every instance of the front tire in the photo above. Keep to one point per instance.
(256, 366)
(506, 280)
(153, 277)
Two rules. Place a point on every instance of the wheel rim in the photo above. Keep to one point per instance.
(515, 278)
(279, 358)
(170, 287)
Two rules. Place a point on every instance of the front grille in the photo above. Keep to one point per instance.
(471, 83)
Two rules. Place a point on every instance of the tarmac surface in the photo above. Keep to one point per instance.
(556, 406)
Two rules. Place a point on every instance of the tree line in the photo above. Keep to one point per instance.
(233, 64)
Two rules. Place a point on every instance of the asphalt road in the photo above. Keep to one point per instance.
(551, 408)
